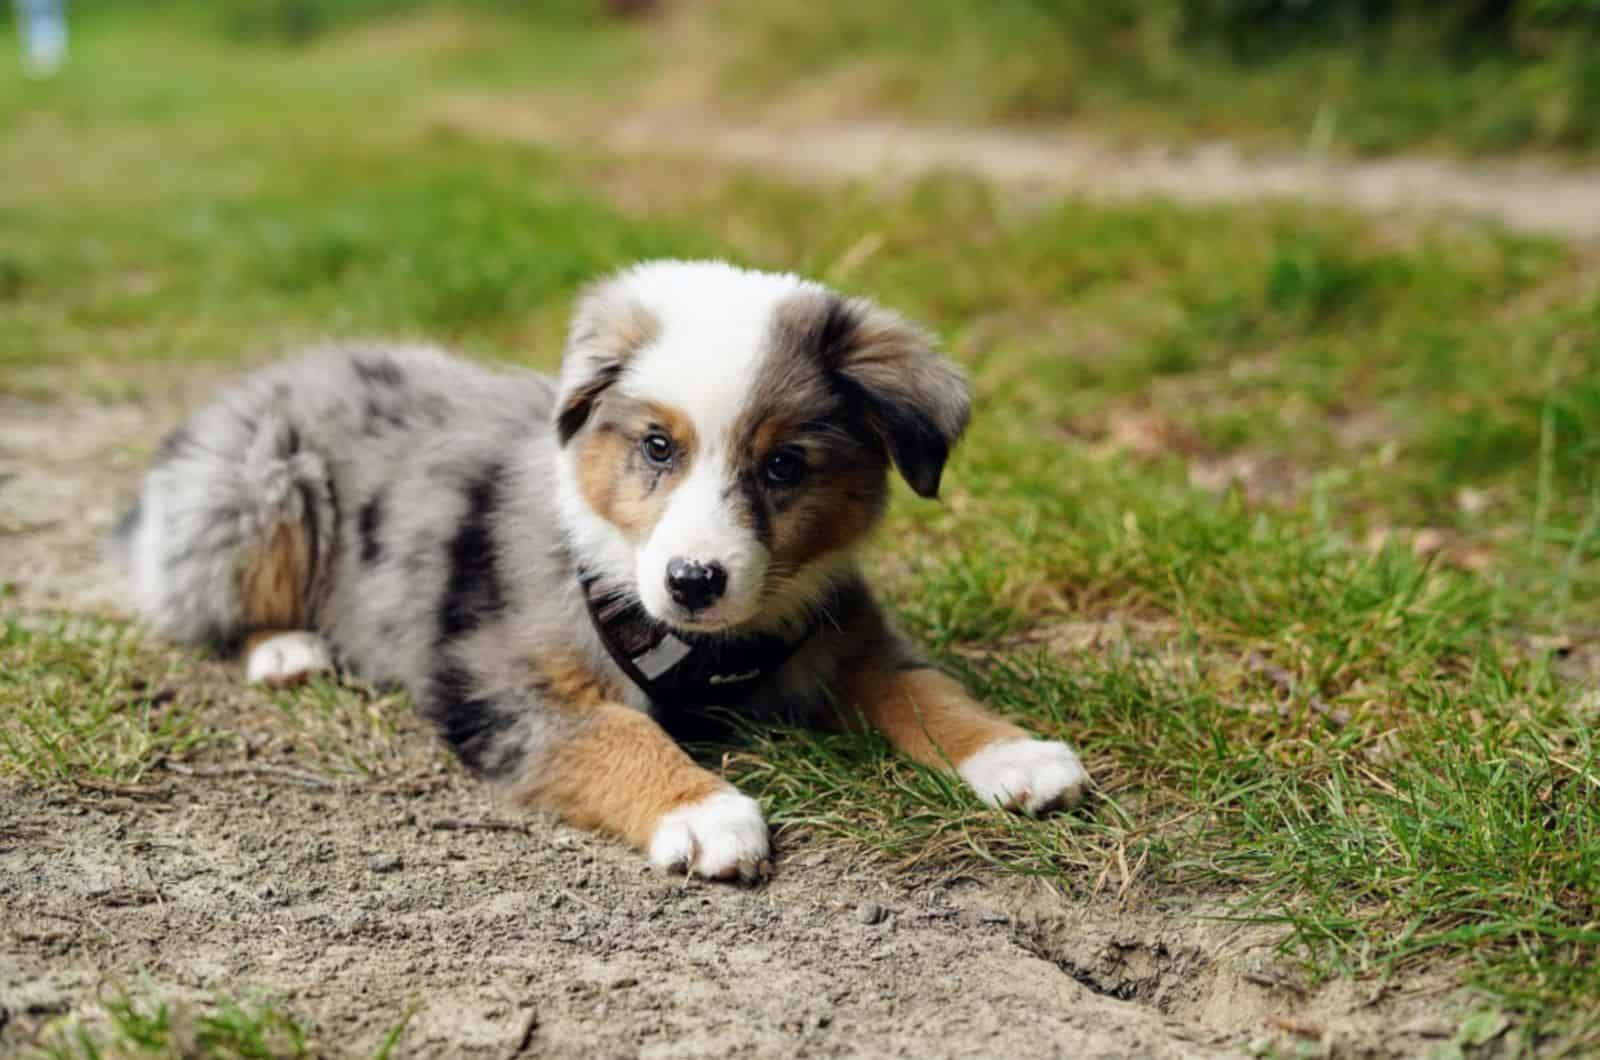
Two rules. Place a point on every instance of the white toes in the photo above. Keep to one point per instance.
(287, 659)
(719, 837)
(1027, 775)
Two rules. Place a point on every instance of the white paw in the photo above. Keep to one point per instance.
(287, 659)
(719, 837)
(1027, 775)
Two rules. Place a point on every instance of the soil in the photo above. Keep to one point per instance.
(1531, 195)
(251, 871)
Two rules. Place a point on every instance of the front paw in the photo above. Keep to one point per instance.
(719, 837)
(1027, 775)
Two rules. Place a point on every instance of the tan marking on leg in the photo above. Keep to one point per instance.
(926, 715)
(619, 771)
(275, 580)
(571, 683)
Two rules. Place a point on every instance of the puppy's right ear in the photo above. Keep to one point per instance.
(608, 328)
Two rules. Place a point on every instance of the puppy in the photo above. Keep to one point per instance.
(556, 569)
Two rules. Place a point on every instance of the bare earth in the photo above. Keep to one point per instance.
(252, 872)
(1532, 195)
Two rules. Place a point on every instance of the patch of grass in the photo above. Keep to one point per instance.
(1412, 369)
(81, 699)
(351, 730)
(1392, 77)
(139, 1028)
(1339, 739)
(1395, 384)
(391, 1040)
(269, 191)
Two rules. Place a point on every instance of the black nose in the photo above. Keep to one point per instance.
(695, 585)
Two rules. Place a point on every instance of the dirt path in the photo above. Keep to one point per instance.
(257, 870)
(356, 904)
(1532, 196)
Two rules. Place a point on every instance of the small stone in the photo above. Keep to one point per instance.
(1471, 501)
(870, 913)
(1428, 542)
(386, 863)
(1428, 1027)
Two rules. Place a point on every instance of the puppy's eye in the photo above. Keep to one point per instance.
(657, 449)
(784, 468)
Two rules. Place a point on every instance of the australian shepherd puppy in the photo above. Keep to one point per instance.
(558, 570)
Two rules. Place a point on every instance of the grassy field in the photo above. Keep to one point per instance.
(1288, 519)
(1325, 75)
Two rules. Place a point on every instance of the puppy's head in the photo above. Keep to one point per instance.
(727, 435)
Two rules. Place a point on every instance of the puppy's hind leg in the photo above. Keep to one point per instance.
(233, 539)
(276, 582)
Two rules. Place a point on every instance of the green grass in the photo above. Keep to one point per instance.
(84, 700)
(1294, 704)
(1173, 71)
(229, 227)
(1338, 741)
(151, 1028)
(148, 1027)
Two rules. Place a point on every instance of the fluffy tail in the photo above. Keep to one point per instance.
(234, 529)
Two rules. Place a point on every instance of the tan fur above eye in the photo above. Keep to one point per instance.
(674, 423)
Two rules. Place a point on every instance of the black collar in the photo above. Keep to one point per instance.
(681, 670)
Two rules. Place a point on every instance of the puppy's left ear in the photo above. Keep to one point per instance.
(608, 328)
(917, 401)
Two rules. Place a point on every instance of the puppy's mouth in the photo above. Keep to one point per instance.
(717, 618)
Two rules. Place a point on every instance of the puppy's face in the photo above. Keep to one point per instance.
(728, 433)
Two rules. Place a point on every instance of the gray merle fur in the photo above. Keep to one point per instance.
(369, 524)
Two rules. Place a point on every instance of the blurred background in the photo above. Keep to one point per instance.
(1377, 75)
(188, 186)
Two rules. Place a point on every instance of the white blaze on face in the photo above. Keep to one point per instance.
(702, 524)
(715, 333)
